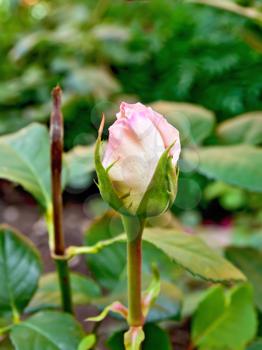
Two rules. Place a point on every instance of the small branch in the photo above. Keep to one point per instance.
(56, 138)
(94, 249)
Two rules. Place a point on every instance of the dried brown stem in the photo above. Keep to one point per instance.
(57, 145)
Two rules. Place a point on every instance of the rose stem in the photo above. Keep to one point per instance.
(134, 229)
(56, 136)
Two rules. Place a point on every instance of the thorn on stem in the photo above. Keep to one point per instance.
(101, 127)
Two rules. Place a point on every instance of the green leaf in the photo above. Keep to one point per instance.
(193, 254)
(94, 80)
(84, 290)
(115, 342)
(155, 338)
(87, 343)
(256, 345)
(250, 262)
(106, 227)
(186, 250)
(191, 301)
(236, 165)
(25, 159)
(20, 269)
(47, 330)
(80, 165)
(193, 122)
(225, 321)
(246, 128)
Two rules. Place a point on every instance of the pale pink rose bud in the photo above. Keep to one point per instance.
(138, 139)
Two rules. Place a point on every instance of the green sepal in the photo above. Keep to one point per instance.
(104, 183)
(133, 338)
(162, 189)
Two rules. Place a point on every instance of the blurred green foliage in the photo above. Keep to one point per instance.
(160, 52)
(101, 50)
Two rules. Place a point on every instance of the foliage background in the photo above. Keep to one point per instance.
(100, 51)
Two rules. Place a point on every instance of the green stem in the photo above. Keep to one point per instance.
(64, 282)
(56, 136)
(134, 229)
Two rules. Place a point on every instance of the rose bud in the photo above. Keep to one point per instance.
(138, 172)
